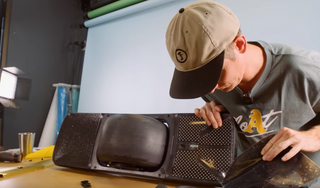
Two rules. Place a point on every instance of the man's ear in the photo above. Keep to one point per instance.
(241, 43)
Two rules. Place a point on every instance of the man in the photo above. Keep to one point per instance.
(268, 88)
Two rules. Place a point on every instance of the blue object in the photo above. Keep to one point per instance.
(75, 99)
(62, 107)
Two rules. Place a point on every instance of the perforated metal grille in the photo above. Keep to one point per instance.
(214, 147)
(190, 127)
(186, 164)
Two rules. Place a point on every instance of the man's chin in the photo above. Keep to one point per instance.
(227, 89)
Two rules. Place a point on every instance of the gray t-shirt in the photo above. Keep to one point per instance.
(286, 95)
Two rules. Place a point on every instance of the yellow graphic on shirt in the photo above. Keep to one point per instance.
(255, 121)
(259, 121)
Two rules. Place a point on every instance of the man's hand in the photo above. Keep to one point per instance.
(210, 112)
(308, 141)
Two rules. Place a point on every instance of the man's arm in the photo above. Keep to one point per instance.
(307, 141)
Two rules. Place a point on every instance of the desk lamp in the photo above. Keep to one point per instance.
(14, 85)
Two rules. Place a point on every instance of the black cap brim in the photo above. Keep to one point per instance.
(197, 83)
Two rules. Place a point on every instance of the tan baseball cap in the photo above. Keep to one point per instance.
(196, 39)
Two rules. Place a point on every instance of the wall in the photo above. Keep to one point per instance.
(40, 43)
(128, 70)
(291, 22)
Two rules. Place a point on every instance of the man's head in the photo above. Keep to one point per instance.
(196, 39)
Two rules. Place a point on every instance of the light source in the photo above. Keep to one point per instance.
(8, 85)
(14, 85)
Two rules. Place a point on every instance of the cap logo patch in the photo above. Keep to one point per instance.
(181, 56)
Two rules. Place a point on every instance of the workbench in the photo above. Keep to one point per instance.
(40, 173)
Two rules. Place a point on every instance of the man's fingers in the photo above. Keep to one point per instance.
(207, 115)
(267, 147)
(277, 144)
(210, 112)
(215, 117)
(293, 151)
(219, 108)
(271, 143)
(197, 112)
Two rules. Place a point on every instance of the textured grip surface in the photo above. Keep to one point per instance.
(76, 140)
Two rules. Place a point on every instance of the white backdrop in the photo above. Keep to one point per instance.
(127, 68)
